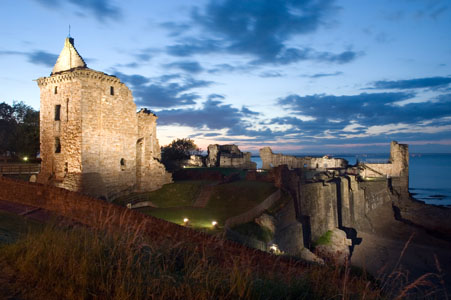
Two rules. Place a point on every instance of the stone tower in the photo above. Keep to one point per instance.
(92, 139)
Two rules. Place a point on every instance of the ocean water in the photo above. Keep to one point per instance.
(429, 174)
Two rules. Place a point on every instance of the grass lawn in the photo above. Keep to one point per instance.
(180, 193)
(227, 200)
(12, 227)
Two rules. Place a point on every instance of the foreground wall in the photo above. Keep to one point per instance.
(100, 214)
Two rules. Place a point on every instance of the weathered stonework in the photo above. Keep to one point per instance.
(92, 139)
(269, 160)
(229, 156)
(397, 169)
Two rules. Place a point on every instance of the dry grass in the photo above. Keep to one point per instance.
(79, 263)
(127, 262)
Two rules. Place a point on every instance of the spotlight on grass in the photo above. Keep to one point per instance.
(25, 158)
(185, 221)
(214, 224)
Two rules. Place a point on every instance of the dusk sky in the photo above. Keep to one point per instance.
(311, 76)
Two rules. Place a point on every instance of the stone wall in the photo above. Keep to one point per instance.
(398, 165)
(100, 214)
(229, 156)
(269, 160)
(397, 168)
(92, 139)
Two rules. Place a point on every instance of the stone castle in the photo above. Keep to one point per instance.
(92, 139)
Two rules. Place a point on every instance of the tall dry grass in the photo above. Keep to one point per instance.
(81, 263)
(107, 263)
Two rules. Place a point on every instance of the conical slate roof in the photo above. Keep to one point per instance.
(69, 58)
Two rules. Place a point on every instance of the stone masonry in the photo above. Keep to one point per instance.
(92, 139)
(229, 156)
(269, 160)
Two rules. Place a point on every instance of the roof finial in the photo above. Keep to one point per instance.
(69, 32)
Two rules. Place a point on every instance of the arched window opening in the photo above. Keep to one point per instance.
(122, 164)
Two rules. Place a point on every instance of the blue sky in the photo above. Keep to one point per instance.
(310, 76)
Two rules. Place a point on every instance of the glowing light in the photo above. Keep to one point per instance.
(214, 223)
(25, 158)
(185, 221)
(274, 249)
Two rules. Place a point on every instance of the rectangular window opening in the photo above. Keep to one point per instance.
(57, 112)
(111, 91)
(56, 90)
(67, 109)
(57, 145)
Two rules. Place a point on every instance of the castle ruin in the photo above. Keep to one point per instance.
(92, 139)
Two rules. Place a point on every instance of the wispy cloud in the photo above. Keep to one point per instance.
(426, 82)
(37, 57)
(102, 10)
(165, 91)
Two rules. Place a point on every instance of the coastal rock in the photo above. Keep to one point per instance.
(309, 256)
(266, 221)
(336, 248)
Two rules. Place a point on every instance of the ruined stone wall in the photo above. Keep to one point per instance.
(398, 165)
(269, 160)
(318, 202)
(229, 156)
(150, 173)
(109, 129)
(397, 168)
(101, 137)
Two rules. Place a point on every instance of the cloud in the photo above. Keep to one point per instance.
(42, 58)
(247, 112)
(260, 29)
(193, 46)
(270, 74)
(364, 114)
(165, 91)
(320, 75)
(37, 57)
(175, 29)
(187, 66)
(426, 82)
(101, 9)
(213, 114)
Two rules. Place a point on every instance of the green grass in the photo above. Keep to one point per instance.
(223, 171)
(255, 231)
(227, 200)
(181, 193)
(324, 239)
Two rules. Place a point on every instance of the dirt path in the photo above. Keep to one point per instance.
(204, 195)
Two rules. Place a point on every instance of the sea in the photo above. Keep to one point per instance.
(429, 174)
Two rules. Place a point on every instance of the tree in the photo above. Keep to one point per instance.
(178, 149)
(19, 129)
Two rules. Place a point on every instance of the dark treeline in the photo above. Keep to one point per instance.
(19, 130)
